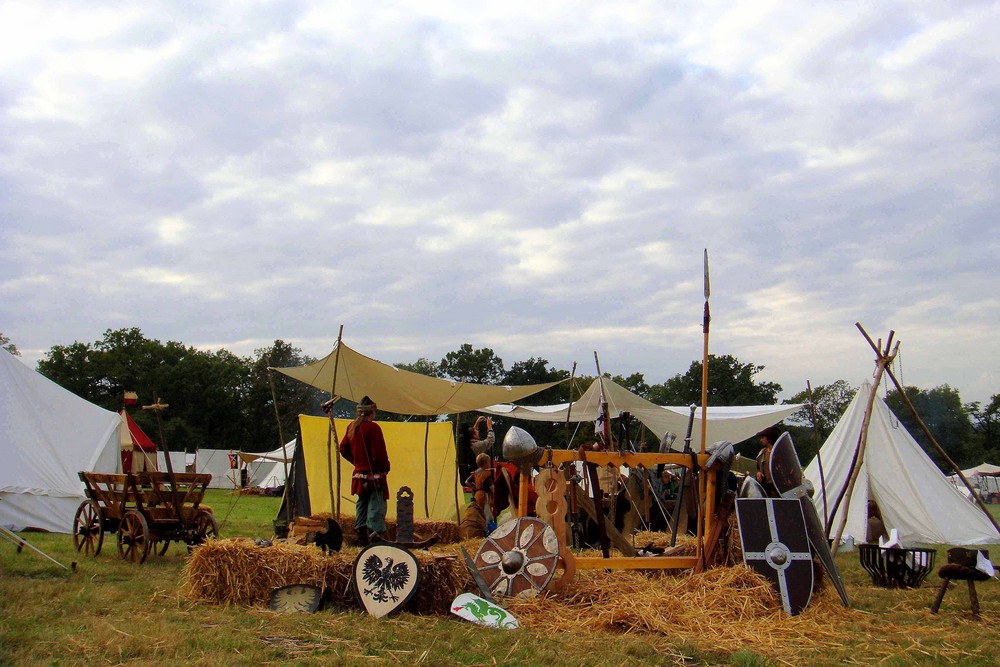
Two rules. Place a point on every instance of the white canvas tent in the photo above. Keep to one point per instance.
(47, 436)
(985, 477)
(179, 461)
(733, 423)
(912, 493)
(216, 462)
(267, 469)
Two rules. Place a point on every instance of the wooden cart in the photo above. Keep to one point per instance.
(147, 510)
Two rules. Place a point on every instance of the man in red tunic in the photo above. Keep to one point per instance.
(364, 447)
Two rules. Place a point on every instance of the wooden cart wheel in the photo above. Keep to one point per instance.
(88, 528)
(207, 526)
(133, 537)
(159, 547)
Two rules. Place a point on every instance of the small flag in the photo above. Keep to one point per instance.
(599, 422)
(233, 465)
(131, 398)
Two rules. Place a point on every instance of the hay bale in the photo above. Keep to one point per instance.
(237, 571)
(447, 531)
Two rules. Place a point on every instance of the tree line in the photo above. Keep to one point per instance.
(220, 400)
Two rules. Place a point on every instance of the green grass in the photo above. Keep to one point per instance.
(111, 612)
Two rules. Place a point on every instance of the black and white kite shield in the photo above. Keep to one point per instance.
(786, 474)
(775, 545)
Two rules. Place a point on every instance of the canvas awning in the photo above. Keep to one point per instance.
(399, 391)
(733, 423)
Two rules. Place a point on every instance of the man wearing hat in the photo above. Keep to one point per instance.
(364, 447)
(767, 439)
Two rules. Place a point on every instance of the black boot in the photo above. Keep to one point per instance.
(363, 536)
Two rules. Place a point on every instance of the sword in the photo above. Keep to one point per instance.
(480, 582)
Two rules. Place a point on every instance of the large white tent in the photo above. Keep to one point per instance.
(912, 493)
(733, 423)
(47, 436)
(267, 469)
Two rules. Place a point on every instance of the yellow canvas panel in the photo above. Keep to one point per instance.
(404, 442)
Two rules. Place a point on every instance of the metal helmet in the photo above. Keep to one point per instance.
(751, 488)
(519, 446)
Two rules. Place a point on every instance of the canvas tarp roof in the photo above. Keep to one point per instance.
(405, 445)
(399, 391)
(911, 491)
(47, 436)
(733, 423)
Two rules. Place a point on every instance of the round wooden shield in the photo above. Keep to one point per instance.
(519, 557)
(385, 578)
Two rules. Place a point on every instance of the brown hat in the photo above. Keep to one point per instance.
(772, 433)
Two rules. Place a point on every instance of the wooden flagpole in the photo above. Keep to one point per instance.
(569, 406)
(883, 359)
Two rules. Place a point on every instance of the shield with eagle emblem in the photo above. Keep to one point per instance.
(385, 578)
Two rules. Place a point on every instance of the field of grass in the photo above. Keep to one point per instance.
(111, 612)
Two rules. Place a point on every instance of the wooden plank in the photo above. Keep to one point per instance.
(630, 459)
(584, 501)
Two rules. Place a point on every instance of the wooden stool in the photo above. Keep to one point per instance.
(961, 566)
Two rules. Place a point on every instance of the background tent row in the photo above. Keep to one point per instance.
(733, 423)
(911, 492)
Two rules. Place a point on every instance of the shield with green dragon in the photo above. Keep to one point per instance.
(483, 612)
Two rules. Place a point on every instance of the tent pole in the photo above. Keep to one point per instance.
(331, 436)
(284, 450)
(427, 432)
(458, 482)
(883, 359)
(819, 459)
(940, 450)
(569, 407)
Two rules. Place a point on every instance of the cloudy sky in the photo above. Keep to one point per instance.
(540, 178)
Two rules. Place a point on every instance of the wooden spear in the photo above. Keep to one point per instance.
(706, 481)
(286, 499)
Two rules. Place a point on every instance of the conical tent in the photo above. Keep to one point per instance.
(912, 493)
(47, 436)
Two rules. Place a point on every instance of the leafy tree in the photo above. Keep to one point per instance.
(205, 390)
(730, 382)
(465, 364)
(945, 416)
(6, 344)
(636, 383)
(293, 397)
(986, 423)
(830, 401)
(423, 366)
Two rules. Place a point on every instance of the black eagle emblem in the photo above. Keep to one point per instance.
(385, 579)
